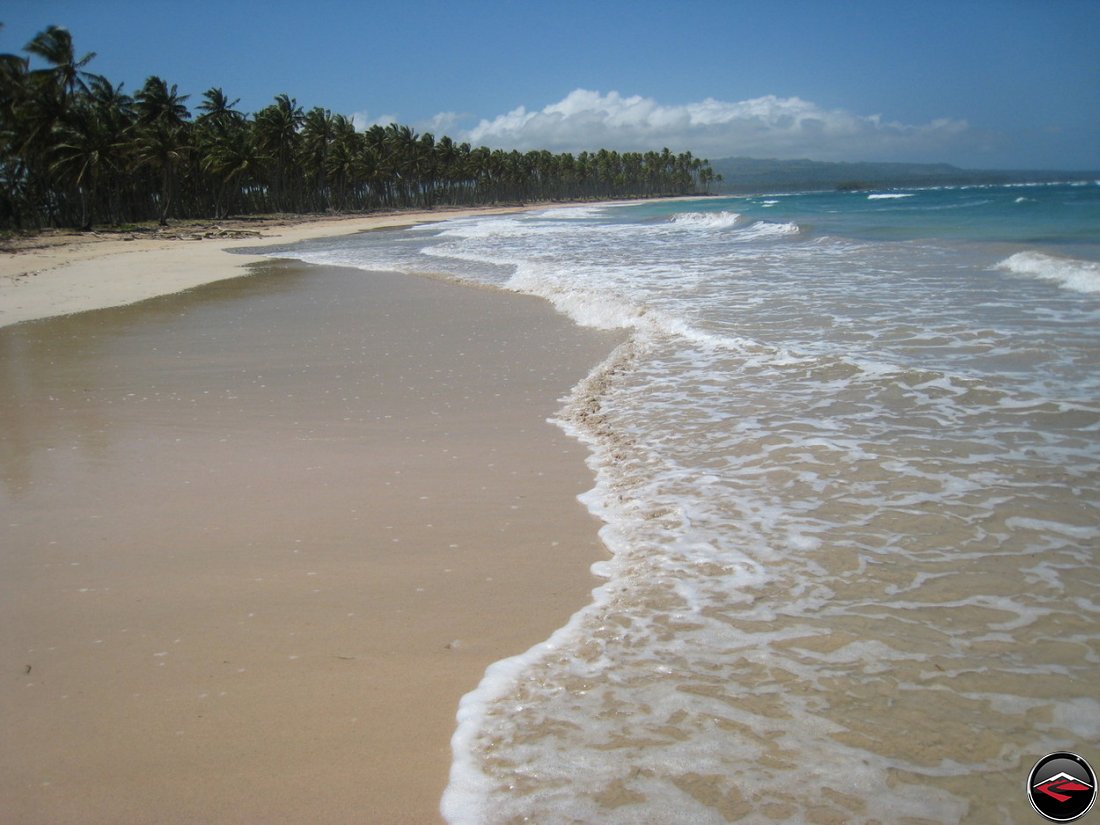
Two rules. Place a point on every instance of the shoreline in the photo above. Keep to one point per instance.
(205, 624)
(63, 274)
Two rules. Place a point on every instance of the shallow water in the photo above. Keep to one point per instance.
(849, 466)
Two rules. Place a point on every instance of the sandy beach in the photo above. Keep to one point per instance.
(260, 533)
(68, 272)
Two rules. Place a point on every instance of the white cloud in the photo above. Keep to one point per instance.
(442, 123)
(363, 120)
(767, 126)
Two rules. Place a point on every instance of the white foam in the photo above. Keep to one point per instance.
(1083, 532)
(1080, 715)
(1080, 276)
(706, 220)
(889, 196)
(768, 229)
(572, 213)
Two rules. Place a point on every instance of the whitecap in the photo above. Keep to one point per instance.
(1070, 273)
(768, 229)
(706, 220)
(572, 213)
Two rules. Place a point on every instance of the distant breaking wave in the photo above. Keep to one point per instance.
(889, 196)
(707, 220)
(711, 221)
(767, 229)
(1080, 276)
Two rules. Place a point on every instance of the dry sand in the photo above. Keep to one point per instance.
(257, 538)
(74, 272)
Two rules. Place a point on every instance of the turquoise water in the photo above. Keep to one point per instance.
(848, 466)
(1059, 215)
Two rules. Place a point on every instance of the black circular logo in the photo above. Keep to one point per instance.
(1062, 786)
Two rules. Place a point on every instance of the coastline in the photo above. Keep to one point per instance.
(77, 272)
(209, 627)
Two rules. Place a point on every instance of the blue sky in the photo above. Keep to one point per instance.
(978, 83)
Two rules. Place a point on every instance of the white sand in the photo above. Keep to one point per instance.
(94, 273)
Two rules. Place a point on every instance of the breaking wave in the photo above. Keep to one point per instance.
(1080, 276)
(707, 220)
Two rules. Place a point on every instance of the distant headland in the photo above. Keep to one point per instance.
(746, 175)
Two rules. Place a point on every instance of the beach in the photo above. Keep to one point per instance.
(66, 272)
(264, 523)
(271, 541)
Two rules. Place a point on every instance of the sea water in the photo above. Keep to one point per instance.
(848, 465)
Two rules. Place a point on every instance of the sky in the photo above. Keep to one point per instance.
(1011, 84)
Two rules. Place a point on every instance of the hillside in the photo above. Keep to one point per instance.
(741, 175)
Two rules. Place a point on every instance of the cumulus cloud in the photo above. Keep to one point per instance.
(363, 120)
(764, 126)
(442, 123)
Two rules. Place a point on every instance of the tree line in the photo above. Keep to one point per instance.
(75, 149)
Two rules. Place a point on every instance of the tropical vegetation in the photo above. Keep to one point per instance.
(77, 150)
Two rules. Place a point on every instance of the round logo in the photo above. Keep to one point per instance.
(1062, 786)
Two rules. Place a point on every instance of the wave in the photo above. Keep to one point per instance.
(1080, 276)
(711, 221)
(573, 213)
(767, 229)
(706, 220)
(889, 196)
(611, 310)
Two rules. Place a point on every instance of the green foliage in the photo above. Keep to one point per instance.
(75, 149)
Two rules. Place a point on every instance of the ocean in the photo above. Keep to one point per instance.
(848, 469)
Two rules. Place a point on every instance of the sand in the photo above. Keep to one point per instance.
(77, 272)
(257, 538)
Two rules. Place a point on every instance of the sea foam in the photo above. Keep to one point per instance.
(707, 220)
(1080, 276)
(768, 229)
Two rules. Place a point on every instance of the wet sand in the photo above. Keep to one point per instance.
(258, 538)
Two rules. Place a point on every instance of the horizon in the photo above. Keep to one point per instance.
(985, 85)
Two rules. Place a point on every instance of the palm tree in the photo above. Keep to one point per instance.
(156, 103)
(161, 147)
(447, 158)
(401, 146)
(226, 150)
(344, 164)
(162, 141)
(218, 111)
(115, 111)
(90, 142)
(14, 94)
(37, 102)
(379, 159)
(316, 144)
(14, 85)
(55, 46)
(82, 148)
(425, 169)
(277, 139)
(231, 158)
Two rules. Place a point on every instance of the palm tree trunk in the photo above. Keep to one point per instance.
(166, 194)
